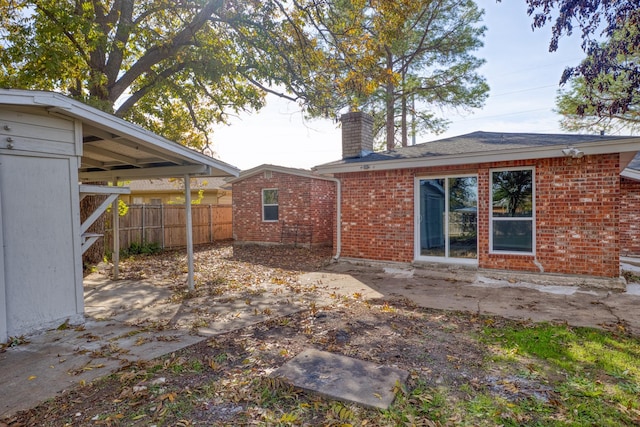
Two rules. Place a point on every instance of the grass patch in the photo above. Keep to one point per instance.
(590, 377)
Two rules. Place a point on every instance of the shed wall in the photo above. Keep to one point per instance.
(40, 222)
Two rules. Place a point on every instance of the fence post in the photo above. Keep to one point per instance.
(210, 224)
(143, 231)
(162, 224)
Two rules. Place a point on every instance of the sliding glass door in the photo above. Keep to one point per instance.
(446, 213)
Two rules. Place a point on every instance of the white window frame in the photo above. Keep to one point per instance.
(533, 211)
(263, 205)
(416, 223)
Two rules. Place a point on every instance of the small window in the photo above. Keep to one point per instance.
(512, 211)
(270, 204)
(156, 201)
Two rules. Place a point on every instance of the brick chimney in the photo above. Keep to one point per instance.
(357, 134)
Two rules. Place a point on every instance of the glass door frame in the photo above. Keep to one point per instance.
(417, 225)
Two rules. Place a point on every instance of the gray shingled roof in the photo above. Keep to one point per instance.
(479, 142)
(635, 163)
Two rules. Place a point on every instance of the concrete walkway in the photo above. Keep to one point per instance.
(121, 317)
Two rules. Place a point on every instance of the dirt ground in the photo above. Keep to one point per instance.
(225, 380)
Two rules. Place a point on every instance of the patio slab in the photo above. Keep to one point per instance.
(343, 378)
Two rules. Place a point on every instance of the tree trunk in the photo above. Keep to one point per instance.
(390, 122)
(404, 121)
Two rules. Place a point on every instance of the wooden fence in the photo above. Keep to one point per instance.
(165, 225)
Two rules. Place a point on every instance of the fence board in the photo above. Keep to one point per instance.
(165, 225)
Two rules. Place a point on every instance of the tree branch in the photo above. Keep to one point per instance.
(156, 54)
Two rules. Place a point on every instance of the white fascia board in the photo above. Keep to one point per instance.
(100, 119)
(631, 174)
(280, 169)
(630, 144)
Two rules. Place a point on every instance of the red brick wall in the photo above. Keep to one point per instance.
(377, 215)
(629, 217)
(301, 200)
(578, 208)
(577, 214)
(321, 210)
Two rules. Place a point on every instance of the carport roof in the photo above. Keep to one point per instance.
(114, 149)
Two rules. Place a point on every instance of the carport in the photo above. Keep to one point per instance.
(49, 146)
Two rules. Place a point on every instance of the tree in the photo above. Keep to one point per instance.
(586, 109)
(175, 68)
(595, 105)
(608, 80)
(383, 55)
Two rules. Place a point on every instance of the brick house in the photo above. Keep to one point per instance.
(630, 209)
(278, 205)
(533, 203)
(168, 191)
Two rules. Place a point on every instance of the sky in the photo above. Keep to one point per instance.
(522, 74)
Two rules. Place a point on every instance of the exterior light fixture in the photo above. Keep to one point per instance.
(573, 152)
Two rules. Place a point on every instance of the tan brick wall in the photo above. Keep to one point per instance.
(629, 217)
(577, 214)
(301, 200)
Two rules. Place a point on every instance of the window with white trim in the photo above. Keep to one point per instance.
(270, 204)
(512, 219)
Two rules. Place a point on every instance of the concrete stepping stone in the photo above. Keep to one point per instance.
(343, 378)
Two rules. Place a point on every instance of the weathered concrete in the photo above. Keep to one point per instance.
(343, 378)
(469, 291)
(120, 328)
(120, 316)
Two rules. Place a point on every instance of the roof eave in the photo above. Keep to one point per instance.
(60, 104)
(631, 144)
(280, 169)
(632, 174)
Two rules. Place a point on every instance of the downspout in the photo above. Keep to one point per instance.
(338, 217)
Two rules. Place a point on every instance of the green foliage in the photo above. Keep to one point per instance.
(175, 68)
(144, 248)
(384, 57)
(605, 85)
(123, 208)
(605, 101)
